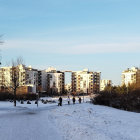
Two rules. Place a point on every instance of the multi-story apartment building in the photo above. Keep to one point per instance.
(5, 77)
(39, 87)
(85, 82)
(131, 76)
(44, 80)
(55, 81)
(27, 79)
(31, 79)
(104, 84)
(52, 81)
(68, 88)
(96, 82)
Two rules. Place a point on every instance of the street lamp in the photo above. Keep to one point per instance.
(83, 96)
(37, 98)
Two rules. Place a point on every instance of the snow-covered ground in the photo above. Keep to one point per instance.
(70, 122)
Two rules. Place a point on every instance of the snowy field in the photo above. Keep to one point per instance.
(69, 122)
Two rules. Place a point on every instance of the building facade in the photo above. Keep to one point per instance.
(131, 76)
(104, 84)
(31, 76)
(55, 81)
(96, 82)
(68, 88)
(26, 78)
(85, 82)
(52, 81)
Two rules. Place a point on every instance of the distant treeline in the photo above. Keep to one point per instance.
(121, 97)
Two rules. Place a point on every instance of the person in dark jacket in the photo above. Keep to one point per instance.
(80, 100)
(60, 101)
(73, 100)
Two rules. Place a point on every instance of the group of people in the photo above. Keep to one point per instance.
(68, 100)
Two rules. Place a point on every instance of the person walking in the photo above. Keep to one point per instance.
(68, 100)
(80, 100)
(60, 101)
(73, 100)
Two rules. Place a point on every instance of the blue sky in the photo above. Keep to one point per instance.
(102, 35)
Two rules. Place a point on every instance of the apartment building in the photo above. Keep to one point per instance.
(96, 82)
(27, 79)
(68, 88)
(131, 76)
(85, 82)
(55, 81)
(31, 76)
(39, 87)
(5, 77)
(51, 81)
(104, 83)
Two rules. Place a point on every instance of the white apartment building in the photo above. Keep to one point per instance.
(131, 76)
(31, 79)
(55, 81)
(68, 88)
(27, 78)
(104, 83)
(52, 81)
(85, 82)
(5, 76)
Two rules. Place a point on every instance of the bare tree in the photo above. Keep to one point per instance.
(12, 77)
(15, 76)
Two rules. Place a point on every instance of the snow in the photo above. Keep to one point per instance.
(69, 122)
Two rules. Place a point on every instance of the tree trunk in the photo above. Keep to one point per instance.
(15, 97)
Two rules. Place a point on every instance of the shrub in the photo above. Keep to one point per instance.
(6, 96)
(130, 101)
(9, 96)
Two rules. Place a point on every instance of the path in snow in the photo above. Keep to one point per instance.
(27, 124)
(70, 122)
